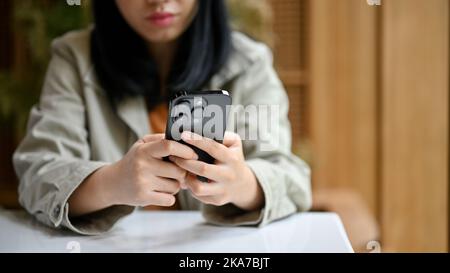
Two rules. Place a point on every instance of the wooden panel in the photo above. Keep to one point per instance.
(293, 77)
(290, 23)
(343, 92)
(298, 110)
(290, 39)
(415, 125)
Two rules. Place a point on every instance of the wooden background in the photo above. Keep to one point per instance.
(375, 107)
(369, 94)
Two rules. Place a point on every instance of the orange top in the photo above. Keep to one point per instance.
(157, 121)
(157, 118)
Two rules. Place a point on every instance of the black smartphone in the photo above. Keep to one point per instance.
(202, 112)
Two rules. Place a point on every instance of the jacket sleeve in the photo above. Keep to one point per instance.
(54, 157)
(284, 178)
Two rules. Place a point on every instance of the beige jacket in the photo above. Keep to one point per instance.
(73, 131)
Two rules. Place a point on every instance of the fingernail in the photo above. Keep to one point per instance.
(186, 135)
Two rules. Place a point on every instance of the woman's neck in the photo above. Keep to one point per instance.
(163, 54)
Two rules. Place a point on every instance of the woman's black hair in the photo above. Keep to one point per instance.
(123, 63)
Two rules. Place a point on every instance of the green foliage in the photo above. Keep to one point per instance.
(35, 24)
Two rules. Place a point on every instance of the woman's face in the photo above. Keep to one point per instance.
(158, 21)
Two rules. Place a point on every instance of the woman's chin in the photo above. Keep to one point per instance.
(161, 37)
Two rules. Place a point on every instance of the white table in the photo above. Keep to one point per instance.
(183, 231)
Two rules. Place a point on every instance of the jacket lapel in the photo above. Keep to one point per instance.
(132, 111)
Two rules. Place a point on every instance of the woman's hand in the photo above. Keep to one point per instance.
(143, 178)
(140, 178)
(231, 180)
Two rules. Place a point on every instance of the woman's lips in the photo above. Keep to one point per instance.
(161, 19)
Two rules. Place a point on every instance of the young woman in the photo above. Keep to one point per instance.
(94, 146)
